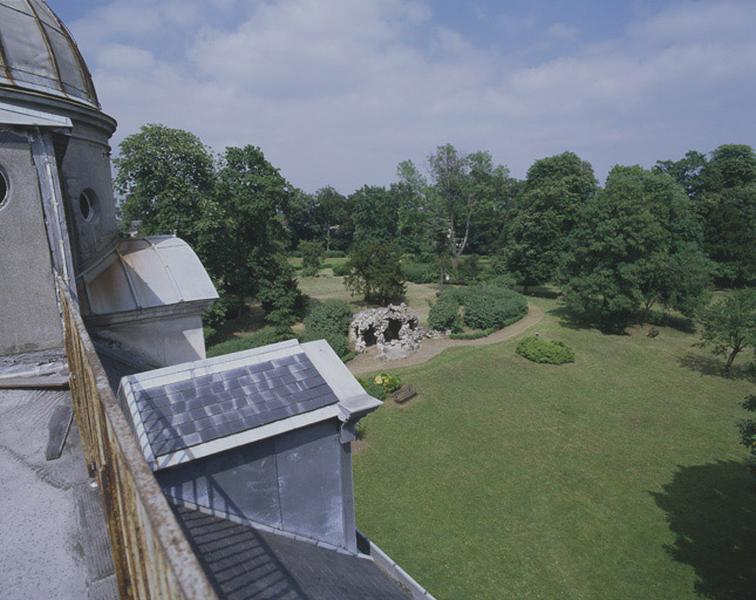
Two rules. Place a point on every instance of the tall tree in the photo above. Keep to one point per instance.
(253, 198)
(727, 203)
(555, 189)
(420, 225)
(375, 213)
(166, 177)
(636, 243)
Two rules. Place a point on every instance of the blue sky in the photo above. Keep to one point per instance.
(338, 92)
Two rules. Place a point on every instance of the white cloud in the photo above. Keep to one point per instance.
(339, 92)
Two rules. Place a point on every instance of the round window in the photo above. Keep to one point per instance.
(87, 203)
(3, 189)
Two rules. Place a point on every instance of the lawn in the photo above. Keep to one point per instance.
(618, 476)
(326, 286)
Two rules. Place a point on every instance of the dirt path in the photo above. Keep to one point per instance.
(369, 362)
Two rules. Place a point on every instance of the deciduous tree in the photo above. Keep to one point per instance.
(729, 325)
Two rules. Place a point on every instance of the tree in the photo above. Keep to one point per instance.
(375, 214)
(727, 203)
(450, 172)
(375, 271)
(167, 177)
(729, 325)
(634, 244)
(253, 198)
(555, 189)
(420, 225)
(686, 171)
(312, 257)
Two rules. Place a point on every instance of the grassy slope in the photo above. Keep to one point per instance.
(619, 476)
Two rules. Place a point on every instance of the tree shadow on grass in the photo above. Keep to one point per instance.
(574, 321)
(711, 509)
(709, 365)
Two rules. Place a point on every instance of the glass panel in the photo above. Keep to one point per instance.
(68, 64)
(26, 52)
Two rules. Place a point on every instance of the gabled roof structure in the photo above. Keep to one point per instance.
(197, 409)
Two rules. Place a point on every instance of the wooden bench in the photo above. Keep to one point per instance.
(403, 394)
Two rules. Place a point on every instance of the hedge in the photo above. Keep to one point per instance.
(483, 307)
(545, 352)
(263, 337)
(419, 272)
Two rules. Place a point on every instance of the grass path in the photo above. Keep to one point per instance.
(370, 362)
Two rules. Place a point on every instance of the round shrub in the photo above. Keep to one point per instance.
(489, 307)
(373, 389)
(486, 307)
(544, 351)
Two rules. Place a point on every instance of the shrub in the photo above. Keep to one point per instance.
(373, 389)
(312, 257)
(329, 320)
(390, 383)
(381, 385)
(545, 352)
(489, 307)
(341, 270)
(445, 315)
(335, 254)
(486, 307)
(375, 272)
(263, 337)
(419, 272)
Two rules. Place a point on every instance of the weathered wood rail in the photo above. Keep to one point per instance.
(152, 557)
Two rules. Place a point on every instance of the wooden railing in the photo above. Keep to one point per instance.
(152, 557)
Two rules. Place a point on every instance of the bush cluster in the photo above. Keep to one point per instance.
(483, 307)
(381, 385)
(329, 321)
(419, 272)
(445, 315)
(335, 254)
(544, 351)
(263, 337)
(341, 270)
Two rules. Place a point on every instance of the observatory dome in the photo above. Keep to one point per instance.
(39, 55)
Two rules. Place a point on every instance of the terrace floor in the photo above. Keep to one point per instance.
(54, 537)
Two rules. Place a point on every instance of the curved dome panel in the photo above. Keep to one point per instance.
(38, 53)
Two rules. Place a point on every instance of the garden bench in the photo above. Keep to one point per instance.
(403, 394)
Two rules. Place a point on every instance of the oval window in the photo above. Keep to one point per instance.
(4, 188)
(87, 203)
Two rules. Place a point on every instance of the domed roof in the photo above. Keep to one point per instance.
(37, 53)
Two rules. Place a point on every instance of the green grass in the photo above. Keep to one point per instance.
(618, 476)
(326, 286)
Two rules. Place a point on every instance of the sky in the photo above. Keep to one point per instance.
(338, 92)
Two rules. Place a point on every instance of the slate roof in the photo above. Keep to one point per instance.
(198, 409)
(248, 564)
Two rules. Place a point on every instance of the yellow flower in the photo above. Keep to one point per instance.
(378, 380)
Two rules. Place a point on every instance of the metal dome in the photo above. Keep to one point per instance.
(37, 53)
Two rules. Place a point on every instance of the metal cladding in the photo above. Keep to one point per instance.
(37, 53)
(143, 274)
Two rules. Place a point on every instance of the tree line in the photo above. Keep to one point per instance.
(648, 237)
